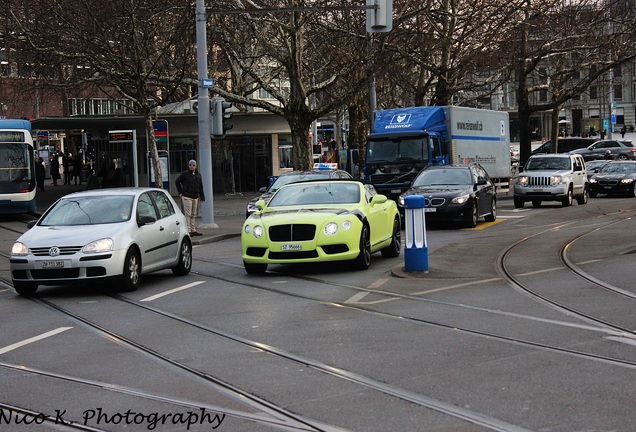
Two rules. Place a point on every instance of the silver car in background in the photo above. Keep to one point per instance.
(100, 235)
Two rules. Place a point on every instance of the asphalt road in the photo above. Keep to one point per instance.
(523, 324)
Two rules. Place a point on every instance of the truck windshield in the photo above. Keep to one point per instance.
(397, 150)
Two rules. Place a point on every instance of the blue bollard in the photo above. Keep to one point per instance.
(415, 248)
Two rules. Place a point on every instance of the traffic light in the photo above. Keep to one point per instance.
(379, 16)
(219, 115)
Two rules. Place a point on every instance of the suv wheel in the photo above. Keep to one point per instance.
(518, 202)
(536, 203)
(567, 201)
(583, 198)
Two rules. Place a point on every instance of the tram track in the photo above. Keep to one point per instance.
(569, 265)
(452, 410)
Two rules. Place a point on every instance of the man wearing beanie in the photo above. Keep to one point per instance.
(190, 187)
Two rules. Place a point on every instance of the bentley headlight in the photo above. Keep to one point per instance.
(330, 229)
(98, 246)
(19, 249)
(247, 229)
(257, 232)
(346, 225)
(460, 199)
(522, 180)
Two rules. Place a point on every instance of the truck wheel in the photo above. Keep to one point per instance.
(518, 202)
(536, 203)
(493, 211)
(567, 201)
(583, 198)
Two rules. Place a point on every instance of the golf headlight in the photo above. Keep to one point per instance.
(460, 199)
(98, 246)
(19, 249)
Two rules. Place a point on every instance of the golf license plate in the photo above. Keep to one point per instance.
(291, 247)
(50, 264)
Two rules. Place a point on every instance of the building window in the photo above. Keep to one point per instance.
(618, 92)
(543, 96)
(285, 156)
(593, 92)
(617, 71)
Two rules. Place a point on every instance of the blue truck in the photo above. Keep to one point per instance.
(406, 140)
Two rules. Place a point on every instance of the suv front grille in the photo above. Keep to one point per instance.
(539, 181)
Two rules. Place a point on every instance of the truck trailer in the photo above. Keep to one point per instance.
(406, 140)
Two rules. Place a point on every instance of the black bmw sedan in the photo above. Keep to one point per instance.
(615, 178)
(455, 192)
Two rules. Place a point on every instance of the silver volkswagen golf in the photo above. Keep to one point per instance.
(103, 234)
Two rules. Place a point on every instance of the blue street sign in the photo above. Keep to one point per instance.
(207, 83)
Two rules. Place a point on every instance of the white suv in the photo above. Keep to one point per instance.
(552, 177)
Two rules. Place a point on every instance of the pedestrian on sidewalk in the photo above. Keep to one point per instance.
(55, 168)
(68, 168)
(77, 168)
(190, 187)
(40, 173)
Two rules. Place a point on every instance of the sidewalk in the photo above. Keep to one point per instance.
(229, 212)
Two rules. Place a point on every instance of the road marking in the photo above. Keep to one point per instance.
(456, 286)
(359, 296)
(509, 217)
(378, 283)
(33, 339)
(172, 291)
(483, 225)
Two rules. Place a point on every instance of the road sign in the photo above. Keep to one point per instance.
(207, 83)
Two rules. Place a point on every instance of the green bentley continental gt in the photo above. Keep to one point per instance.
(329, 220)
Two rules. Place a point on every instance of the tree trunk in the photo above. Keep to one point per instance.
(152, 149)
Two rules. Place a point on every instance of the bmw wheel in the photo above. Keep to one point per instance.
(493, 211)
(132, 271)
(472, 216)
(393, 249)
(363, 261)
(185, 258)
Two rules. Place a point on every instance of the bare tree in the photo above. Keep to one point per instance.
(140, 49)
(560, 49)
(307, 61)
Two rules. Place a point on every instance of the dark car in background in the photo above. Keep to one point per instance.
(615, 178)
(594, 166)
(622, 150)
(294, 177)
(565, 145)
(455, 192)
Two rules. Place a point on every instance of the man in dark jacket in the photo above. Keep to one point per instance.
(190, 187)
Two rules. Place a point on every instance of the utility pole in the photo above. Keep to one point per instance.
(205, 141)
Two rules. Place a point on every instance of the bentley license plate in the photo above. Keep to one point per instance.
(50, 264)
(291, 247)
